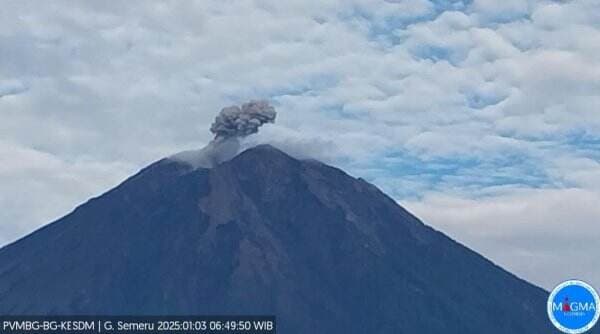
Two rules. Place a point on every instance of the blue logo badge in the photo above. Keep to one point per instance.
(573, 307)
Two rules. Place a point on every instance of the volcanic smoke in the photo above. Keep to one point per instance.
(230, 125)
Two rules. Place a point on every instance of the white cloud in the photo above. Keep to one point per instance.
(490, 10)
(542, 235)
(38, 187)
(11, 87)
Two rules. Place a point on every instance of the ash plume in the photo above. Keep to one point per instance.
(231, 124)
(240, 122)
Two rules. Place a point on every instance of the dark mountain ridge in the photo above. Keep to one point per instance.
(263, 233)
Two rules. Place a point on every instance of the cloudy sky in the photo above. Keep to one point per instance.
(482, 117)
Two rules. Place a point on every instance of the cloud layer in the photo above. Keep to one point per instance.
(451, 107)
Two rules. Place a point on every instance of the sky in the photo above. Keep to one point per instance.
(480, 117)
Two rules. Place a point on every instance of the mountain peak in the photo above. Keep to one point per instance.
(264, 149)
(263, 233)
(263, 163)
(262, 153)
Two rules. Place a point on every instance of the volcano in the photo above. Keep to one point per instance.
(265, 234)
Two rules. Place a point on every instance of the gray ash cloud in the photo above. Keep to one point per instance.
(231, 124)
(234, 121)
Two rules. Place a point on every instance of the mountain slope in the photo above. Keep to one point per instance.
(263, 234)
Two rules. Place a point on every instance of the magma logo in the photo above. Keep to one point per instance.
(573, 307)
